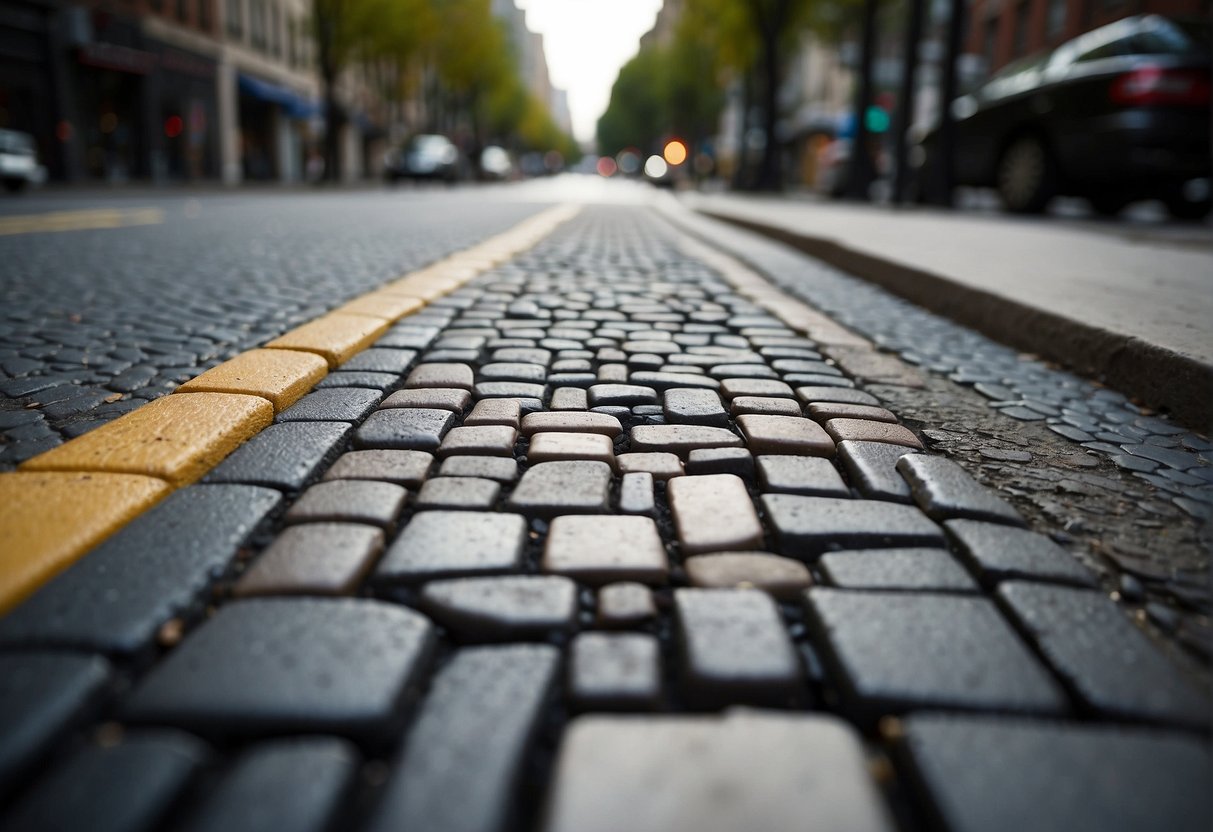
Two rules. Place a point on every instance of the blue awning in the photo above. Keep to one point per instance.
(295, 105)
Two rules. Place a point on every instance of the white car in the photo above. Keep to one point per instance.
(19, 161)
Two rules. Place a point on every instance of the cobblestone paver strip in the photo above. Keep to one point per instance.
(610, 474)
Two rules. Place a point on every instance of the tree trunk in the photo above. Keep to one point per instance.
(859, 167)
(333, 122)
(742, 169)
(939, 165)
(905, 100)
(769, 175)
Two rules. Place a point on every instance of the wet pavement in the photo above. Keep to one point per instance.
(517, 566)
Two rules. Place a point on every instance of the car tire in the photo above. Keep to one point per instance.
(1026, 176)
(1181, 209)
(14, 186)
(1108, 205)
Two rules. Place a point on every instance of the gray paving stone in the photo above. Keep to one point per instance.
(872, 470)
(625, 395)
(614, 671)
(459, 493)
(371, 381)
(337, 404)
(552, 488)
(809, 476)
(288, 456)
(157, 567)
(486, 440)
(782, 578)
(407, 468)
(736, 461)
(497, 468)
(800, 380)
(731, 388)
(553, 446)
(764, 405)
(778, 770)
(404, 429)
(342, 666)
(837, 395)
(945, 491)
(502, 609)
(734, 648)
(441, 374)
(694, 407)
(127, 787)
(808, 526)
(665, 379)
(713, 513)
(439, 398)
(908, 569)
(681, 439)
(42, 694)
(1109, 663)
(463, 760)
(598, 550)
(636, 493)
(380, 360)
(438, 544)
(996, 552)
(1056, 777)
(295, 784)
(894, 651)
(349, 501)
(313, 559)
(513, 371)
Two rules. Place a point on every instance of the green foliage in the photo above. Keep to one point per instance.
(458, 43)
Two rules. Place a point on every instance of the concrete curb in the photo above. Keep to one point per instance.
(1159, 377)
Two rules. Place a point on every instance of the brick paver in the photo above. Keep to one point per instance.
(598, 477)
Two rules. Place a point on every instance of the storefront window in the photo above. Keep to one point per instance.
(1057, 18)
(234, 12)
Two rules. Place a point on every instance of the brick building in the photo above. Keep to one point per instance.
(1004, 30)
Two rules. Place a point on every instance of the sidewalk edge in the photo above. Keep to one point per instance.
(1159, 377)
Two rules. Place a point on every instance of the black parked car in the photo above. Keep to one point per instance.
(1116, 115)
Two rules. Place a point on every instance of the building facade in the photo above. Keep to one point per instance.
(1002, 31)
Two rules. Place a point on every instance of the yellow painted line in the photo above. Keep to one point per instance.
(282, 376)
(391, 307)
(83, 220)
(48, 520)
(176, 438)
(335, 337)
(66, 501)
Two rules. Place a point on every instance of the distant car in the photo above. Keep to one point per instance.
(1118, 114)
(19, 166)
(495, 163)
(426, 156)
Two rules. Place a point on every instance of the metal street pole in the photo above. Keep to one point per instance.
(905, 99)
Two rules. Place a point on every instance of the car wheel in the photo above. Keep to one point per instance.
(1108, 205)
(1026, 178)
(1181, 209)
(14, 186)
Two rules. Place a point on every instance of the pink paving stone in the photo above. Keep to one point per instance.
(571, 422)
(785, 435)
(558, 447)
(866, 430)
(661, 465)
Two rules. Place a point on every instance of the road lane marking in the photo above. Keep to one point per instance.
(83, 220)
(75, 512)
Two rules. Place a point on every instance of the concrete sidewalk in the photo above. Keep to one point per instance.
(1131, 310)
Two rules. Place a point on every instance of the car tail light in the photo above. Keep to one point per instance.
(1151, 85)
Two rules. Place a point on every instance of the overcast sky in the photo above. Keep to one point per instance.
(586, 42)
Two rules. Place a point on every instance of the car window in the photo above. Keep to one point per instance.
(1111, 49)
(1165, 37)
